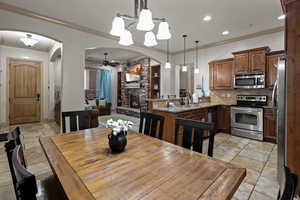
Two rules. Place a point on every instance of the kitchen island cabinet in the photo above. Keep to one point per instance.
(195, 112)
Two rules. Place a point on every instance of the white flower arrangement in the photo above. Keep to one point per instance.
(119, 125)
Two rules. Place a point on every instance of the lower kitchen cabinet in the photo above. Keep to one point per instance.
(269, 126)
(223, 119)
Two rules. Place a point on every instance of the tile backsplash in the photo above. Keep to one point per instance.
(229, 96)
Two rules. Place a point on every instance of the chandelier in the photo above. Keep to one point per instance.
(144, 22)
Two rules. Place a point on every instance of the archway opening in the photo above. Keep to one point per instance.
(120, 80)
(30, 77)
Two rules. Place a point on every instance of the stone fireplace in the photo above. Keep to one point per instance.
(136, 97)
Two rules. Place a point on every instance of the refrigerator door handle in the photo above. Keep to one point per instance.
(274, 99)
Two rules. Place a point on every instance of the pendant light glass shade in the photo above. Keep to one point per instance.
(168, 65)
(197, 62)
(145, 22)
(184, 68)
(163, 31)
(150, 39)
(126, 38)
(118, 27)
(29, 41)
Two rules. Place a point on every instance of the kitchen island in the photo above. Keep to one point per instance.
(199, 112)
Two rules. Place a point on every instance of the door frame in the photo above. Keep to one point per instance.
(8, 60)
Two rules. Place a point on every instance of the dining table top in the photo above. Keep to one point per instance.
(149, 168)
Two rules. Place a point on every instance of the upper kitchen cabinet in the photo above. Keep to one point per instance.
(221, 74)
(241, 62)
(272, 60)
(250, 61)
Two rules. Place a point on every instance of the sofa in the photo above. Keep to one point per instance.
(103, 107)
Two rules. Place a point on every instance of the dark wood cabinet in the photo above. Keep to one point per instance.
(221, 74)
(211, 75)
(257, 61)
(292, 47)
(269, 126)
(250, 61)
(223, 119)
(272, 60)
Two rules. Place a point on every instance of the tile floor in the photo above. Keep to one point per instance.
(258, 157)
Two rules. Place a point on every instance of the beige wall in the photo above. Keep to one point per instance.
(74, 45)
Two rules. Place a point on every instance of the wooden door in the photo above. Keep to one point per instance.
(241, 63)
(257, 61)
(24, 91)
(272, 60)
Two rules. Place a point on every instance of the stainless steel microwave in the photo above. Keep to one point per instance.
(249, 81)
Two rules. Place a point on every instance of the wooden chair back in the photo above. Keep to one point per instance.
(193, 134)
(79, 120)
(149, 124)
(26, 187)
(290, 186)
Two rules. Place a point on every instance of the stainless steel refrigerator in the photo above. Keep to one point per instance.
(279, 106)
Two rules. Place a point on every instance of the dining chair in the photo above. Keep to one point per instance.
(149, 123)
(26, 185)
(78, 120)
(14, 133)
(194, 134)
(290, 185)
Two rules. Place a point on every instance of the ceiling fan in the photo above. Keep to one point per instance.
(112, 63)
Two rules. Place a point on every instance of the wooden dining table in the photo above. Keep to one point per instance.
(149, 168)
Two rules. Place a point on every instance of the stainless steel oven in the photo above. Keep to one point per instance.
(247, 116)
(249, 81)
(247, 122)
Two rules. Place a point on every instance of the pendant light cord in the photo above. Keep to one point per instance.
(184, 43)
(197, 61)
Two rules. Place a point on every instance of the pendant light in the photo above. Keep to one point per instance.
(168, 64)
(150, 39)
(197, 63)
(163, 31)
(145, 22)
(118, 26)
(126, 38)
(184, 67)
(29, 41)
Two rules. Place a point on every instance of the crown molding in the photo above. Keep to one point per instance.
(29, 13)
(236, 39)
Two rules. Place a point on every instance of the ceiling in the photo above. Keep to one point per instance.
(116, 54)
(240, 17)
(12, 38)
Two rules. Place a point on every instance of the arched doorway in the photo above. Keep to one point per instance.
(135, 77)
(26, 77)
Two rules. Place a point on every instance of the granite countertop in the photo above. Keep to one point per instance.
(192, 107)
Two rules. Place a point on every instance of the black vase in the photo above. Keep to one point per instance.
(117, 143)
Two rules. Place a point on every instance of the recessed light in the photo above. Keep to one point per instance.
(25, 57)
(281, 17)
(225, 32)
(207, 18)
